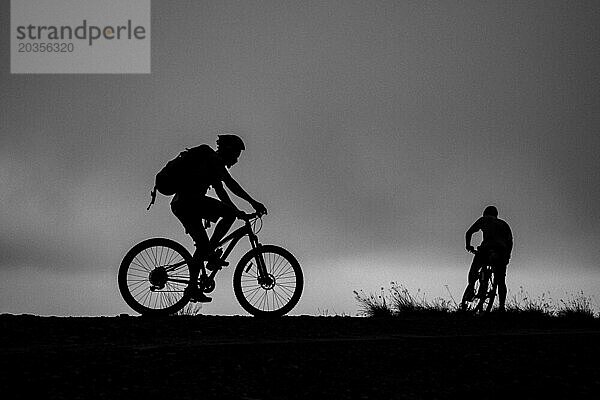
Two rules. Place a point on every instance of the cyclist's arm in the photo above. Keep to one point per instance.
(223, 196)
(474, 228)
(238, 190)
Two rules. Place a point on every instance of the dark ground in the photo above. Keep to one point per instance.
(425, 356)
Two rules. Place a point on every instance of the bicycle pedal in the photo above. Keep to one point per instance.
(213, 267)
(204, 299)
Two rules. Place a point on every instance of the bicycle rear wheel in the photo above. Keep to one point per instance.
(153, 276)
(273, 295)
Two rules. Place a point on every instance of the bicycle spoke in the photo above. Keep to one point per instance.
(142, 292)
(141, 277)
(288, 275)
(143, 268)
(278, 296)
(135, 268)
(252, 292)
(137, 285)
(152, 255)
(283, 268)
(143, 299)
(286, 286)
(287, 290)
(144, 256)
(253, 295)
(279, 262)
(173, 256)
(262, 299)
(139, 261)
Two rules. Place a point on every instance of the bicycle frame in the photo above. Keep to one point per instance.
(233, 238)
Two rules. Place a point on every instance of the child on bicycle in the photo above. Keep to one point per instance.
(498, 241)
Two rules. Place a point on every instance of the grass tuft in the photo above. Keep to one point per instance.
(577, 306)
(190, 309)
(397, 300)
(326, 313)
(403, 302)
(372, 305)
(523, 303)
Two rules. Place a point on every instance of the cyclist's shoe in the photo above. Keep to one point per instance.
(215, 262)
(501, 309)
(196, 295)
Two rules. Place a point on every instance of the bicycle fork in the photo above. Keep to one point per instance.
(263, 277)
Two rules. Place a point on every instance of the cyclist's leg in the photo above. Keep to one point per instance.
(213, 210)
(193, 225)
(500, 272)
(202, 250)
(500, 261)
(221, 230)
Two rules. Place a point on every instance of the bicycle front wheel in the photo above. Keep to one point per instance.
(153, 276)
(486, 291)
(275, 294)
(481, 299)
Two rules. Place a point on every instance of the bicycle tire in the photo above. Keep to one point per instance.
(486, 303)
(287, 283)
(485, 293)
(466, 304)
(135, 277)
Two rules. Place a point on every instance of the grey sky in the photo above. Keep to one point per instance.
(376, 133)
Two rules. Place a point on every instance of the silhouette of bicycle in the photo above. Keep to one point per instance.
(485, 289)
(267, 280)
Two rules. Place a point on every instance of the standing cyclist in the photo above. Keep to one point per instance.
(192, 206)
(498, 240)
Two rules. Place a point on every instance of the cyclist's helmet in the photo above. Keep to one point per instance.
(490, 211)
(231, 141)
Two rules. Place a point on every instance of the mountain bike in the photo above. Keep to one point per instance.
(485, 289)
(267, 281)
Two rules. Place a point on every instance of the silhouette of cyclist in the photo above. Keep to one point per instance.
(193, 207)
(497, 243)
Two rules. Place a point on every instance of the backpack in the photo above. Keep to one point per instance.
(171, 177)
